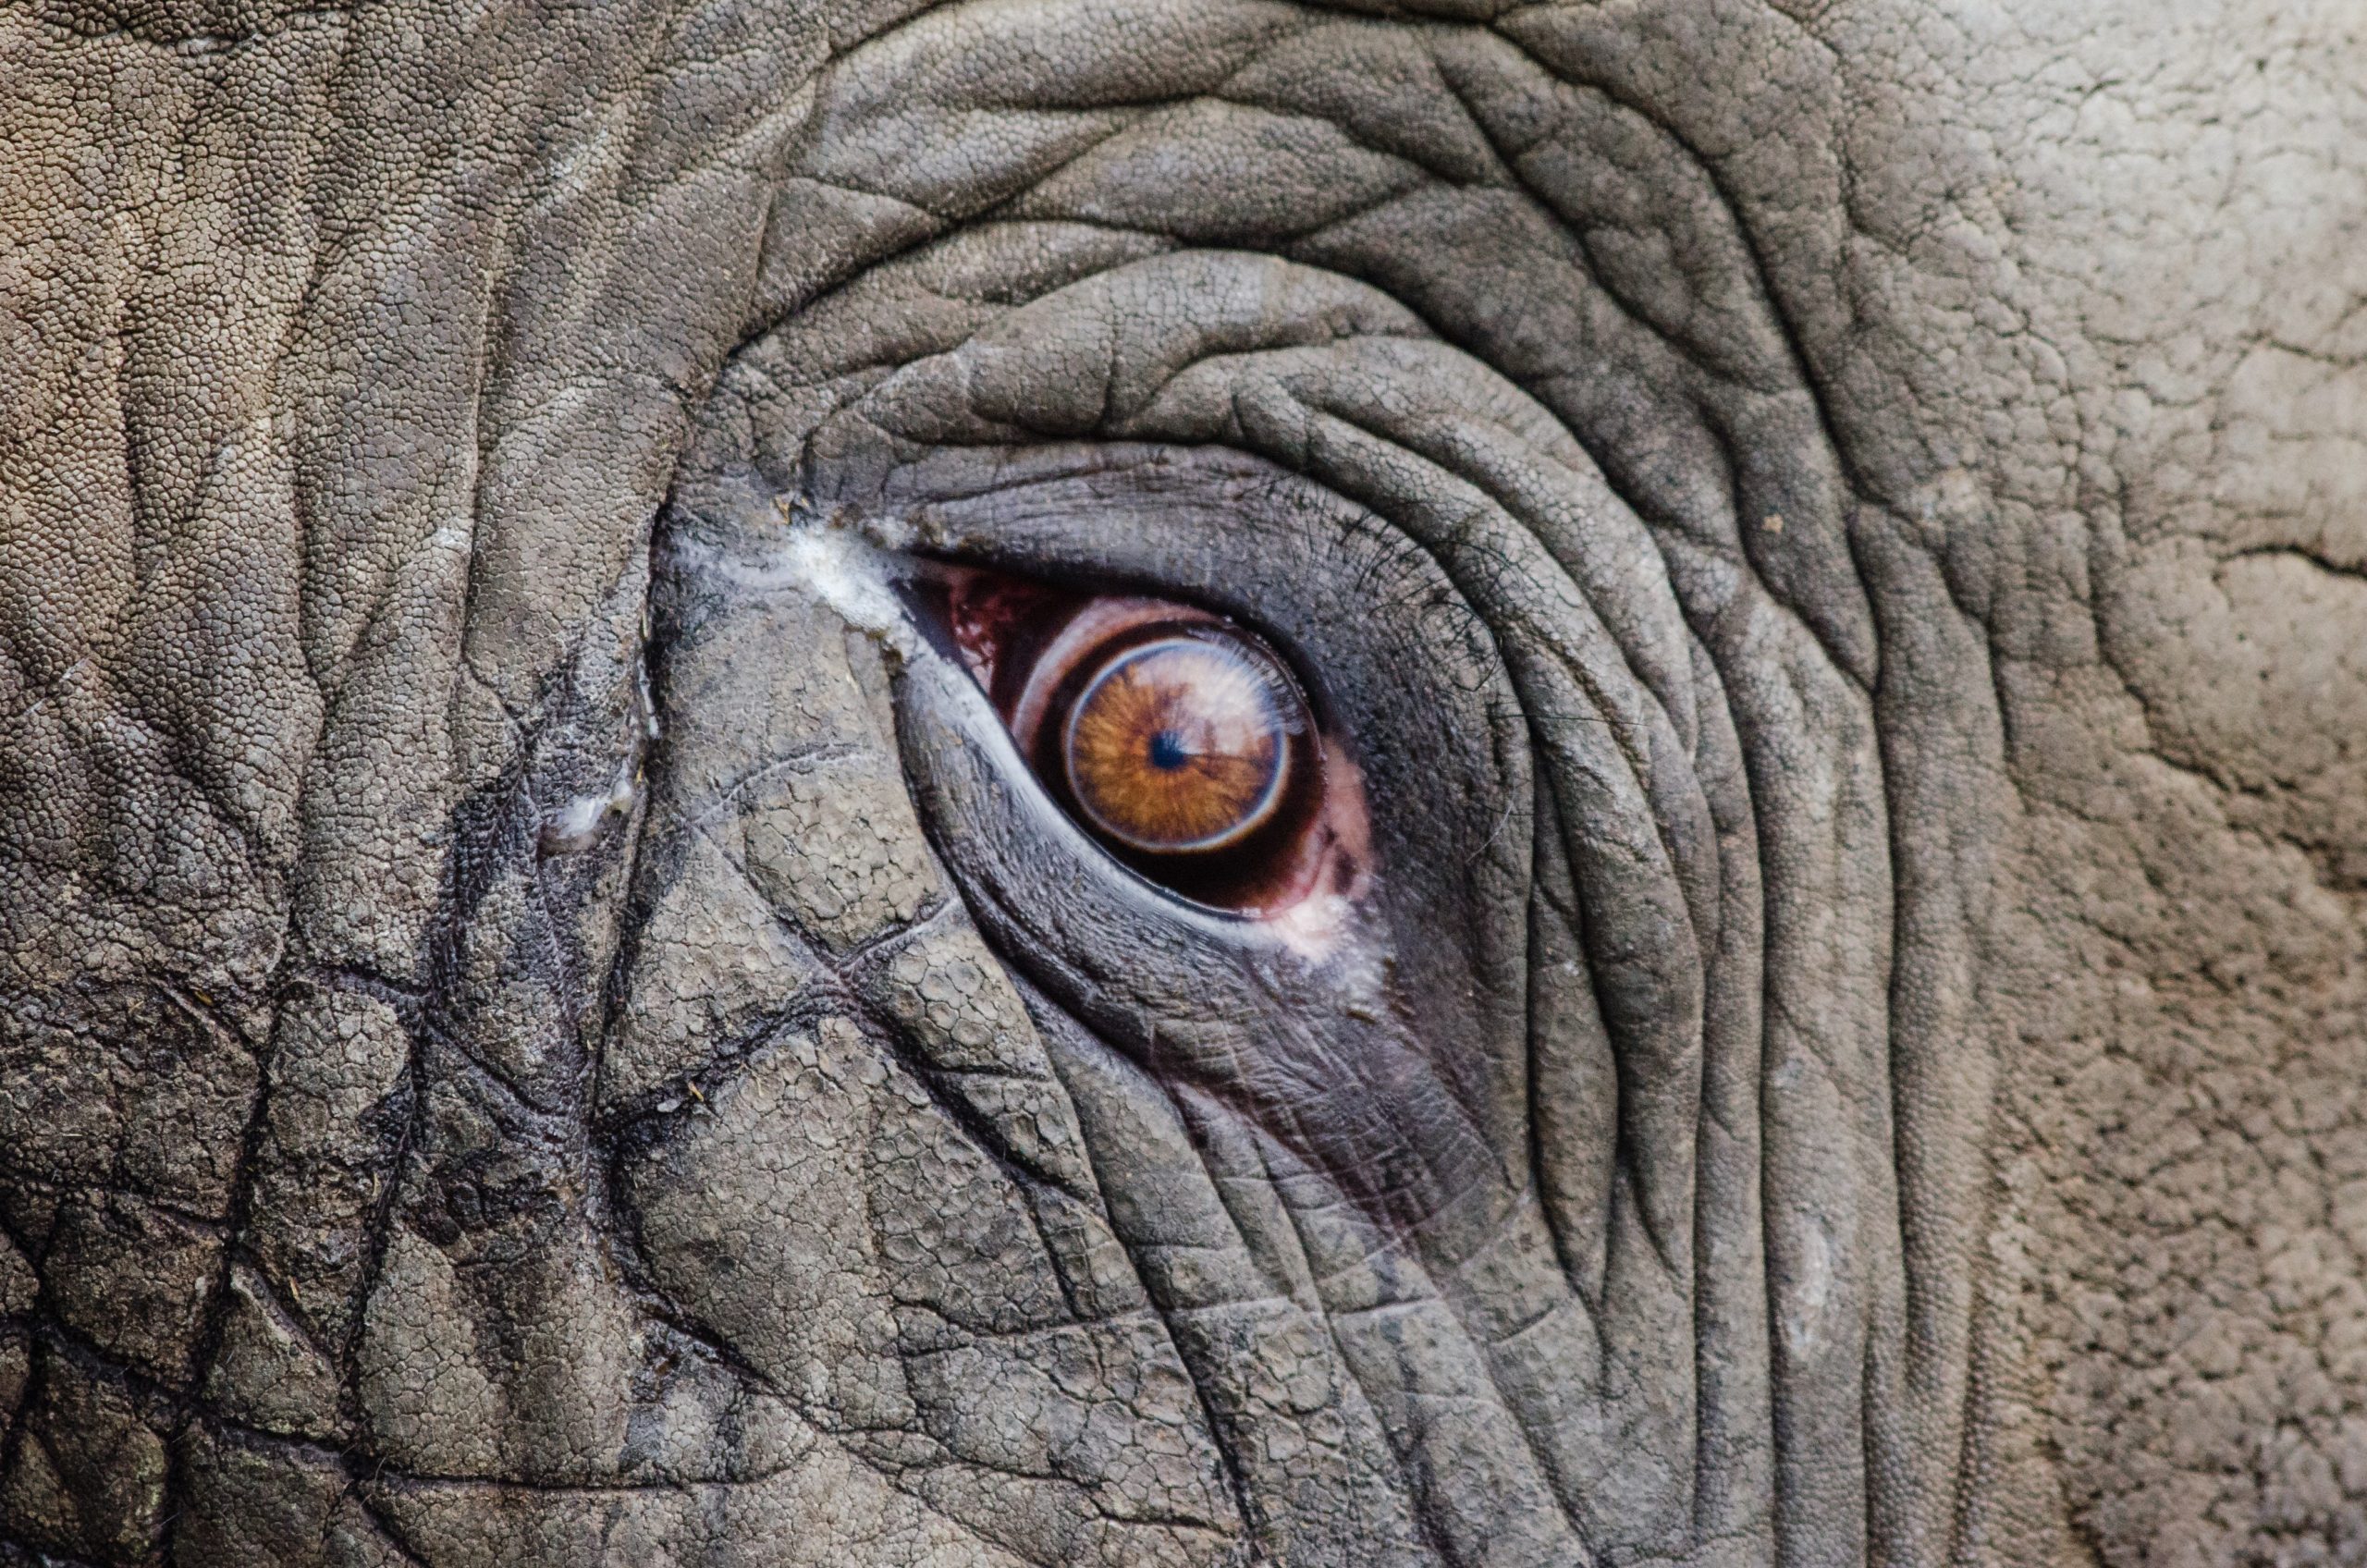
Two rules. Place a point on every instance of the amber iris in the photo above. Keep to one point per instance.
(1182, 744)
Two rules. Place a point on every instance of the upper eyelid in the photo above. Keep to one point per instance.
(1227, 527)
(1374, 555)
(1441, 461)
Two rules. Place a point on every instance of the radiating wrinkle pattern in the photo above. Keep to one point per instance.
(546, 1018)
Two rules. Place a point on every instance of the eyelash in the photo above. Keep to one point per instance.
(1181, 742)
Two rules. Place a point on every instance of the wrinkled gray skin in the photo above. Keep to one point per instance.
(1836, 533)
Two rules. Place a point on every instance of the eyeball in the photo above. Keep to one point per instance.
(1182, 744)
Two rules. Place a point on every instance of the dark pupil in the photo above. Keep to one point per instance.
(1167, 751)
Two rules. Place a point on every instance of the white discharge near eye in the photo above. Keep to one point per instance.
(578, 823)
(828, 560)
(852, 575)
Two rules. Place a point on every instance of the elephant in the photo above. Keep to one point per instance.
(1108, 782)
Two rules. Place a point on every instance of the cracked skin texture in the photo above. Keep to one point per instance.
(529, 1041)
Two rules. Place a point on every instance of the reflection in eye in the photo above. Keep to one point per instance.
(1182, 743)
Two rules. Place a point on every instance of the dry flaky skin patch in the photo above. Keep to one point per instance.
(501, 1065)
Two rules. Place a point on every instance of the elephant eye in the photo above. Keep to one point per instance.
(1182, 743)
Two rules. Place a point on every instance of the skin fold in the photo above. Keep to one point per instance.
(548, 1023)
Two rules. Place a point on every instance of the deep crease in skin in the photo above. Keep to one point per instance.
(1236, 1476)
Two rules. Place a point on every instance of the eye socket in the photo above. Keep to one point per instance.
(1182, 743)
